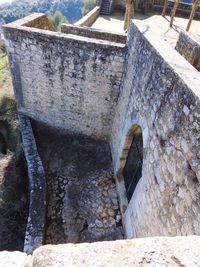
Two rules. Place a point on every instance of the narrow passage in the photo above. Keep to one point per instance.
(82, 204)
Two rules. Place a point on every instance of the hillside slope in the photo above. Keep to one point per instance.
(71, 9)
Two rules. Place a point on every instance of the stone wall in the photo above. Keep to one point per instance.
(70, 82)
(89, 18)
(188, 45)
(161, 94)
(40, 22)
(147, 252)
(93, 33)
(82, 85)
(34, 236)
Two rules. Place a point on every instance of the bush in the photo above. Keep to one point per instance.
(88, 5)
(57, 19)
(3, 48)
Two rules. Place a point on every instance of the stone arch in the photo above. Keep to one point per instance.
(132, 159)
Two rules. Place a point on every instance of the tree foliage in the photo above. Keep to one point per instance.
(57, 19)
(88, 5)
(71, 9)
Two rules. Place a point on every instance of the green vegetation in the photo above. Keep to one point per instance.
(88, 5)
(8, 112)
(57, 19)
(71, 9)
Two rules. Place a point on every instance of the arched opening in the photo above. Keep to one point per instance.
(132, 170)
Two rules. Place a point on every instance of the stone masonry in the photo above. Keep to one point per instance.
(103, 89)
(85, 73)
(161, 94)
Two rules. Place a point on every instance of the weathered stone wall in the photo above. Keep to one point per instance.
(66, 81)
(89, 18)
(161, 93)
(93, 33)
(150, 252)
(76, 83)
(188, 45)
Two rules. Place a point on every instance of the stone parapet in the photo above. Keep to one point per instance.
(93, 33)
(151, 252)
(89, 18)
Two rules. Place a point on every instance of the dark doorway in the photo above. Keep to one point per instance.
(133, 168)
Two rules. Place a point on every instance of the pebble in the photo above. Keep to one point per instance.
(98, 223)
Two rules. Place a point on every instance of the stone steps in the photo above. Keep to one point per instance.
(105, 7)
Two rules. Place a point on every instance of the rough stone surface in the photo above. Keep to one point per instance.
(55, 69)
(188, 45)
(151, 252)
(12, 259)
(161, 93)
(82, 204)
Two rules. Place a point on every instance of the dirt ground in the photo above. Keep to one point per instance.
(13, 201)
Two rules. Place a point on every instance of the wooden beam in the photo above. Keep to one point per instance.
(129, 13)
(165, 8)
(192, 14)
(174, 12)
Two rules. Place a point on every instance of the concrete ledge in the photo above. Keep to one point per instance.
(93, 33)
(188, 45)
(37, 187)
(90, 18)
(157, 251)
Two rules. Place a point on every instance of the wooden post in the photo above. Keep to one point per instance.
(194, 8)
(129, 13)
(174, 12)
(165, 8)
